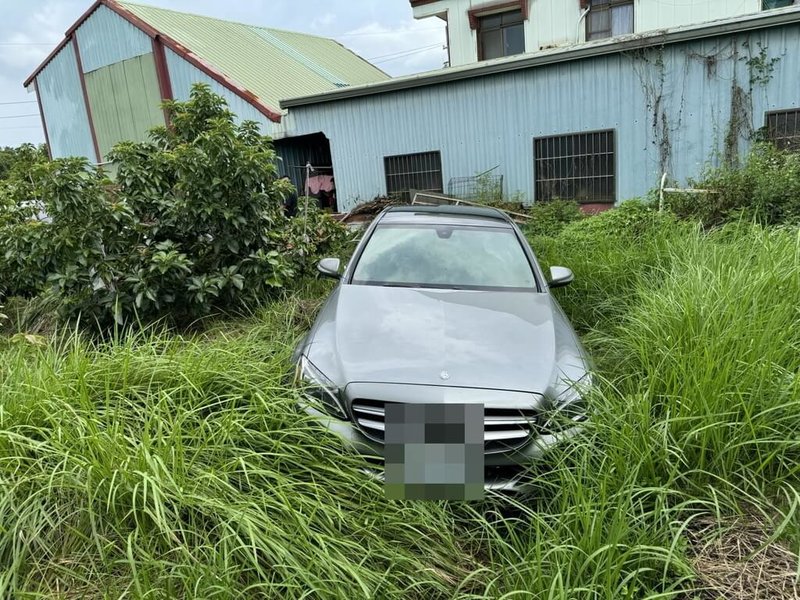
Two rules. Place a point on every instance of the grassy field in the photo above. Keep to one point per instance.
(166, 466)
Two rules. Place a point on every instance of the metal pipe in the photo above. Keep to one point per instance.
(578, 26)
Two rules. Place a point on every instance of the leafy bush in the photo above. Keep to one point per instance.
(20, 159)
(631, 220)
(192, 223)
(22, 266)
(549, 218)
(314, 234)
(765, 189)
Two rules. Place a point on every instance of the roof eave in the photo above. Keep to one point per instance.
(644, 40)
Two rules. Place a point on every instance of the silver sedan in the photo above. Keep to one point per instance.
(446, 306)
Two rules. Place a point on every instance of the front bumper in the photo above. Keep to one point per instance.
(504, 471)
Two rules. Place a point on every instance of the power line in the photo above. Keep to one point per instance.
(386, 32)
(20, 116)
(404, 52)
(20, 102)
(385, 60)
(28, 43)
(380, 62)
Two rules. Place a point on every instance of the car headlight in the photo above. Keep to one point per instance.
(570, 406)
(316, 387)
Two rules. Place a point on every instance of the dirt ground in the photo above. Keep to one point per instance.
(740, 561)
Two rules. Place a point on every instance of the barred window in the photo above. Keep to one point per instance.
(413, 172)
(783, 129)
(577, 167)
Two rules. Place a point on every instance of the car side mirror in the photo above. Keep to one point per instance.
(560, 276)
(329, 267)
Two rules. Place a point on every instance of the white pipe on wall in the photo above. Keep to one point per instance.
(578, 26)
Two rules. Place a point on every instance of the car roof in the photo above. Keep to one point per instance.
(475, 216)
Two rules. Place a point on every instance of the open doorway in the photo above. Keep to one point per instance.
(306, 160)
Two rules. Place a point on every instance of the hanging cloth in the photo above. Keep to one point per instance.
(320, 183)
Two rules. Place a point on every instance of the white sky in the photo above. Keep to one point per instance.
(381, 30)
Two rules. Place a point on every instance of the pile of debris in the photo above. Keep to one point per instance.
(366, 211)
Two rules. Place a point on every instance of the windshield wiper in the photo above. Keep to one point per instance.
(427, 286)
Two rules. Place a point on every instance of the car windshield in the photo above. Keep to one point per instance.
(445, 256)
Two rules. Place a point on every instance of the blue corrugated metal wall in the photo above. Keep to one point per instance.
(64, 107)
(183, 74)
(106, 38)
(670, 107)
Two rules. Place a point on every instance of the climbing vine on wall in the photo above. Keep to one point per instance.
(719, 64)
(760, 65)
(649, 66)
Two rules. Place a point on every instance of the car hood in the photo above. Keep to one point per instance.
(479, 339)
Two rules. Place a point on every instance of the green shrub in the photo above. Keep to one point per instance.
(19, 160)
(766, 189)
(23, 265)
(313, 234)
(488, 189)
(192, 224)
(631, 220)
(549, 218)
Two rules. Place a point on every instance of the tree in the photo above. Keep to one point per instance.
(192, 222)
(20, 159)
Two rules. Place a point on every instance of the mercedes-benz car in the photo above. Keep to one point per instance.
(447, 304)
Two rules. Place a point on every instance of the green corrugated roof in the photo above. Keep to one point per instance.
(271, 63)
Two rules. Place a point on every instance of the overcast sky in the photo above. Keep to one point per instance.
(382, 31)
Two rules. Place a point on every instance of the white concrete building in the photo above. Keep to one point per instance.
(480, 30)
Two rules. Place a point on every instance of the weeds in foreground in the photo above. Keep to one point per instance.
(165, 466)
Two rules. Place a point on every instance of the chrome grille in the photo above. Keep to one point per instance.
(503, 428)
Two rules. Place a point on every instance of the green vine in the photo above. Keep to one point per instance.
(760, 66)
(651, 69)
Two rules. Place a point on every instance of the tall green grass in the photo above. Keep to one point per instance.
(168, 467)
(697, 340)
(161, 466)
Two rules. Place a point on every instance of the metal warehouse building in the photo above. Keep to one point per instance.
(599, 122)
(105, 81)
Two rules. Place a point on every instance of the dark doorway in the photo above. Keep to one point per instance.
(296, 154)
